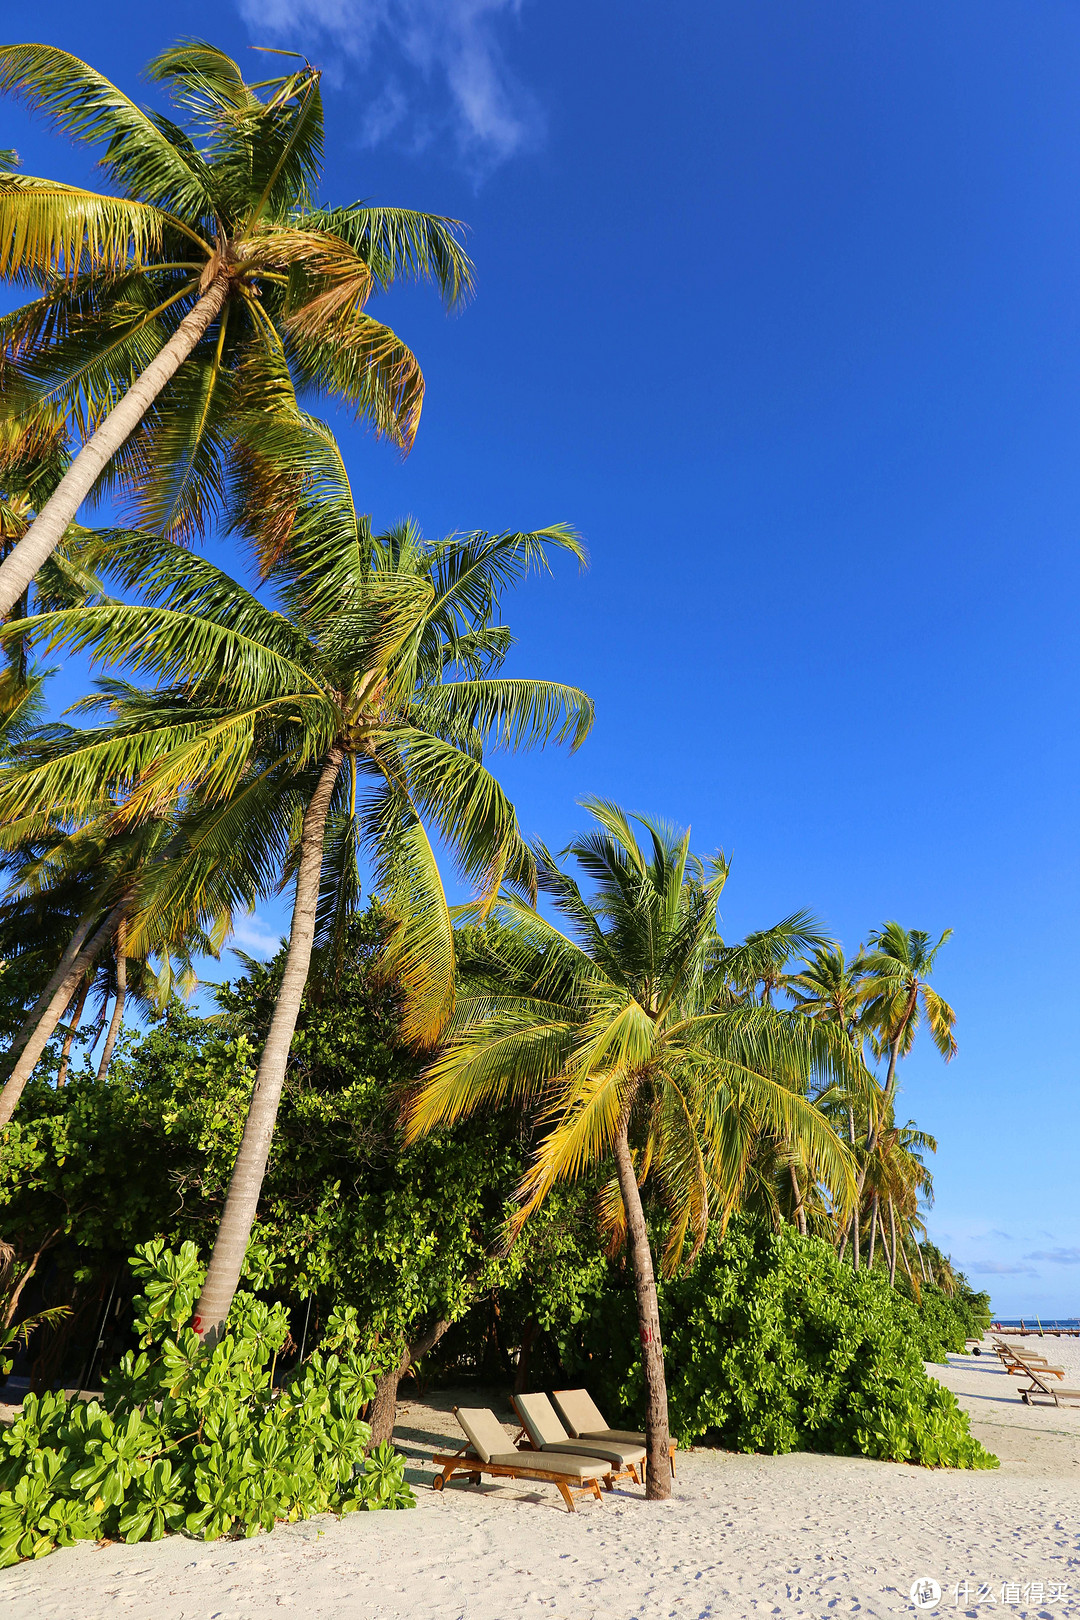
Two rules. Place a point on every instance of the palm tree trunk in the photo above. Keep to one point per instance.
(657, 1441)
(800, 1213)
(892, 1244)
(858, 1201)
(59, 977)
(873, 1233)
(922, 1262)
(907, 1264)
(65, 1050)
(242, 1201)
(24, 1068)
(118, 1007)
(50, 525)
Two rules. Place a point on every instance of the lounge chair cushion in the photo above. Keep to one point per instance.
(609, 1450)
(580, 1412)
(541, 1420)
(484, 1430)
(548, 1462)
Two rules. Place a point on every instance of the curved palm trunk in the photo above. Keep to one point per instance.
(65, 1050)
(657, 1442)
(60, 976)
(858, 1201)
(24, 1068)
(892, 1243)
(48, 528)
(242, 1201)
(118, 1007)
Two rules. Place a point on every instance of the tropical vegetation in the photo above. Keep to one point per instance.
(566, 1128)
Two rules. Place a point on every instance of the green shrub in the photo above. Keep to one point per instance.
(186, 1439)
(773, 1345)
(946, 1321)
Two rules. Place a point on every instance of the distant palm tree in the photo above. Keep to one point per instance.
(174, 317)
(630, 1041)
(898, 996)
(353, 715)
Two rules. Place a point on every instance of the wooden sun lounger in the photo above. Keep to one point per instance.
(583, 1419)
(573, 1476)
(544, 1431)
(1039, 1388)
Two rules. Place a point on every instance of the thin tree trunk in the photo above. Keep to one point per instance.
(907, 1264)
(856, 1217)
(800, 1213)
(121, 997)
(242, 1202)
(873, 1233)
(657, 1441)
(922, 1262)
(59, 977)
(885, 1246)
(24, 1068)
(892, 1243)
(65, 1050)
(384, 1406)
(529, 1336)
(16, 1293)
(50, 525)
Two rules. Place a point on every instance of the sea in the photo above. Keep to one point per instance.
(1072, 1322)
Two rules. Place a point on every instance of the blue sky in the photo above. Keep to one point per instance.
(780, 306)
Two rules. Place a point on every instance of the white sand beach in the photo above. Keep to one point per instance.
(802, 1535)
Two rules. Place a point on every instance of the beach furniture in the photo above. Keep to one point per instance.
(1041, 1388)
(584, 1421)
(543, 1427)
(490, 1452)
(1018, 1362)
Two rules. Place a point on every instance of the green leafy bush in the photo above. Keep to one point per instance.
(946, 1321)
(186, 1439)
(773, 1345)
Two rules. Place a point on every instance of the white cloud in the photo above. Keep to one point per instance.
(998, 1268)
(254, 936)
(1056, 1257)
(422, 69)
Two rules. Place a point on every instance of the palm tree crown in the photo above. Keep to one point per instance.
(207, 292)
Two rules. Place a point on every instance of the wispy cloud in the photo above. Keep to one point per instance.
(421, 70)
(1056, 1257)
(999, 1268)
(255, 937)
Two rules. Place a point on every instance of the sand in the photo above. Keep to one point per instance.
(742, 1536)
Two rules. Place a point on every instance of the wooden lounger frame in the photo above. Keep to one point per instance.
(1038, 1386)
(466, 1461)
(524, 1444)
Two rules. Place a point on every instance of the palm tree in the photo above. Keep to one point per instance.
(353, 717)
(80, 894)
(177, 313)
(897, 966)
(832, 989)
(629, 1038)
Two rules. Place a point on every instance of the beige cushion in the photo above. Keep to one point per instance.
(579, 1411)
(609, 1450)
(620, 1437)
(483, 1429)
(541, 1420)
(549, 1462)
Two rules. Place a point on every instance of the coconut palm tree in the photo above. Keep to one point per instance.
(352, 716)
(200, 295)
(831, 988)
(897, 968)
(629, 1039)
(78, 896)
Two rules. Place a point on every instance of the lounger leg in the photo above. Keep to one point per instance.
(596, 1493)
(631, 1469)
(673, 1465)
(567, 1498)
